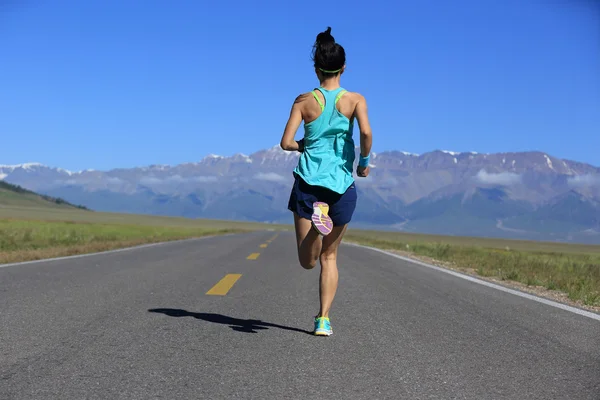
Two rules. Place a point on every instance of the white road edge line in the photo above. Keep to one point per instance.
(489, 284)
(101, 253)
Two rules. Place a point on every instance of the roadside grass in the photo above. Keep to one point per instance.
(22, 240)
(37, 233)
(571, 269)
(71, 215)
(29, 233)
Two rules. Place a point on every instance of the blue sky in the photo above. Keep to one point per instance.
(120, 83)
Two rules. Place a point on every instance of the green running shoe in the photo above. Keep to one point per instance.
(322, 327)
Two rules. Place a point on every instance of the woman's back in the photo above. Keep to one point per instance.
(328, 156)
(311, 108)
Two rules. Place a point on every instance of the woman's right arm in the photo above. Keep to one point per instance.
(289, 133)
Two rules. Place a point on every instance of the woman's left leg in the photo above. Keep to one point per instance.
(308, 242)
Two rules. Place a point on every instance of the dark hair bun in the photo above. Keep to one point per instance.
(328, 56)
(325, 37)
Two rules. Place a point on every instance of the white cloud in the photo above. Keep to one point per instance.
(502, 178)
(270, 176)
(180, 179)
(584, 180)
(204, 179)
(151, 180)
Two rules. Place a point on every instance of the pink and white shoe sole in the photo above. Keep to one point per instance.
(320, 219)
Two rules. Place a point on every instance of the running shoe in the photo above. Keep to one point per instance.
(322, 327)
(320, 220)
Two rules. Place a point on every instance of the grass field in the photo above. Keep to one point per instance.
(569, 268)
(29, 233)
(13, 195)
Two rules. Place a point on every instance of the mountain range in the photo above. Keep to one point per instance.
(521, 195)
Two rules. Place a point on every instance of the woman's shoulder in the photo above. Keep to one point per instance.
(354, 98)
(353, 95)
(302, 97)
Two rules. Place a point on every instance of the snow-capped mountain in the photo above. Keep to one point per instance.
(522, 195)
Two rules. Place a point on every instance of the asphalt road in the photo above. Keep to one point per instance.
(139, 324)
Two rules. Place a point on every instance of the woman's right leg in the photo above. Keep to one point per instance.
(308, 241)
(328, 281)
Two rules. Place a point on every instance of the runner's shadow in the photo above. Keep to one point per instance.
(240, 325)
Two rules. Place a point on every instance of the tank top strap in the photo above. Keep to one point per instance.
(314, 93)
(339, 95)
(331, 97)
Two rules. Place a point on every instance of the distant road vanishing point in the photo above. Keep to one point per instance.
(231, 317)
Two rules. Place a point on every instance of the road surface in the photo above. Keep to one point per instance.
(230, 317)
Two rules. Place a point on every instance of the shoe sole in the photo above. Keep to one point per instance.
(320, 220)
(321, 333)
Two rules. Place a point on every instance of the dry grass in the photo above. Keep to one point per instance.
(52, 252)
(24, 240)
(479, 242)
(572, 269)
(28, 233)
(70, 215)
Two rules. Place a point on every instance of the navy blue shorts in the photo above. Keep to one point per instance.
(341, 206)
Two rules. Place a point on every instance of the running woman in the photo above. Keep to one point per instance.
(323, 197)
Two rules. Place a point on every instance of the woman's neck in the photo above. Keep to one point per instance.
(331, 83)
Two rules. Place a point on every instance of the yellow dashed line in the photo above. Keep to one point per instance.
(253, 256)
(223, 286)
(264, 245)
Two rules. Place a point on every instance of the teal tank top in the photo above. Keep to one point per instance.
(328, 156)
